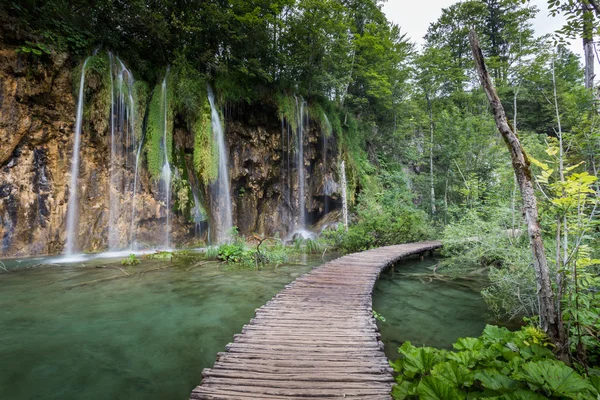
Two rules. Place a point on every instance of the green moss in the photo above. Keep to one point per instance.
(316, 112)
(154, 146)
(141, 94)
(286, 108)
(206, 154)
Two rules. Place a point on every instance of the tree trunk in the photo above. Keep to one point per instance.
(431, 176)
(549, 319)
(588, 46)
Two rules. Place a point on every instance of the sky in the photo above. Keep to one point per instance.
(414, 16)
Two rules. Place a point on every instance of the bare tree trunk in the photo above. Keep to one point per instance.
(431, 177)
(549, 319)
(588, 46)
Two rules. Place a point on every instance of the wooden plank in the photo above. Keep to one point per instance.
(317, 338)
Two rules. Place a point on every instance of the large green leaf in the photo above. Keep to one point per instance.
(495, 333)
(494, 380)
(453, 373)
(404, 389)
(523, 394)
(432, 388)
(555, 378)
(468, 343)
(466, 358)
(418, 360)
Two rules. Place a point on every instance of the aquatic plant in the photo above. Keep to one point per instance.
(130, 260)
(212, 253)
(378, 316)
(160, 255)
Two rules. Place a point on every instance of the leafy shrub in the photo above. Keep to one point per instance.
(160, 255)
(383, 223)
(34, 48)
(130, 260)
(476, 245)
(499, 364)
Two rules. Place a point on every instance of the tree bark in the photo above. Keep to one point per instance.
(588, 46)
(549, 319)
(431, 176)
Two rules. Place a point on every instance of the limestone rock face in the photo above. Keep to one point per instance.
(37, 117)
(264, 174)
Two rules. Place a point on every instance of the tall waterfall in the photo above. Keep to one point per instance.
(344, 194)
(72, 207)
(300, 119)
(220, 190)
(124, 153)
(292, 155)
(325, 133)
(132, 228)
(165, 176)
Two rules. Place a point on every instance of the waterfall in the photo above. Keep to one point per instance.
(165, 176)
(344, 194)
(300, 163)
(197, 213)
(132, 228)
(325, 132)
(221, 190)
(72, 206)
(124, 152)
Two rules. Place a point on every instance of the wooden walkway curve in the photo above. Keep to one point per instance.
(317, 338)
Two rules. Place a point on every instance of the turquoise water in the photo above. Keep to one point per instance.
(427, 312)
(143, 336)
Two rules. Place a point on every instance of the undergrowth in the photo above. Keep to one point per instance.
(498, 365)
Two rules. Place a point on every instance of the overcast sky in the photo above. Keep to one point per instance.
(414, 16)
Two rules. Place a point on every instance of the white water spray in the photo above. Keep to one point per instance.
(166, 169)
(221, 190)
(72, 206)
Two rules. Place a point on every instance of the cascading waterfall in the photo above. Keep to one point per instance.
(325, 132)
(132, 228)
(286, 175)
(221, 191)
(300, 119)
(344, 194)
(124, 152)
(72, 207)
(165, 176)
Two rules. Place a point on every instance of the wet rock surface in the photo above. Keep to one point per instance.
(37, 116)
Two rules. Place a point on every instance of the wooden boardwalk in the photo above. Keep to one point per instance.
(317, 338)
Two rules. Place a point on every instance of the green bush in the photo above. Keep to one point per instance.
(483, 246)
(130, 260)
(160, 255)
(499, 364)
(380, 224)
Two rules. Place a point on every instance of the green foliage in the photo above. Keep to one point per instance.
(160, 255)
(34, 48)
(378, 316)
(498, 364)
(238, 254)
(309, 245)
(154, 146)
(130, 260)
(141, 95)
(212, 253)
(206, 154)
(386, 217)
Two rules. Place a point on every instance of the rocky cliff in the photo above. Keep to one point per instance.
(37, 116)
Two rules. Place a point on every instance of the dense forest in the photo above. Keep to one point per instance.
(423, 154)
